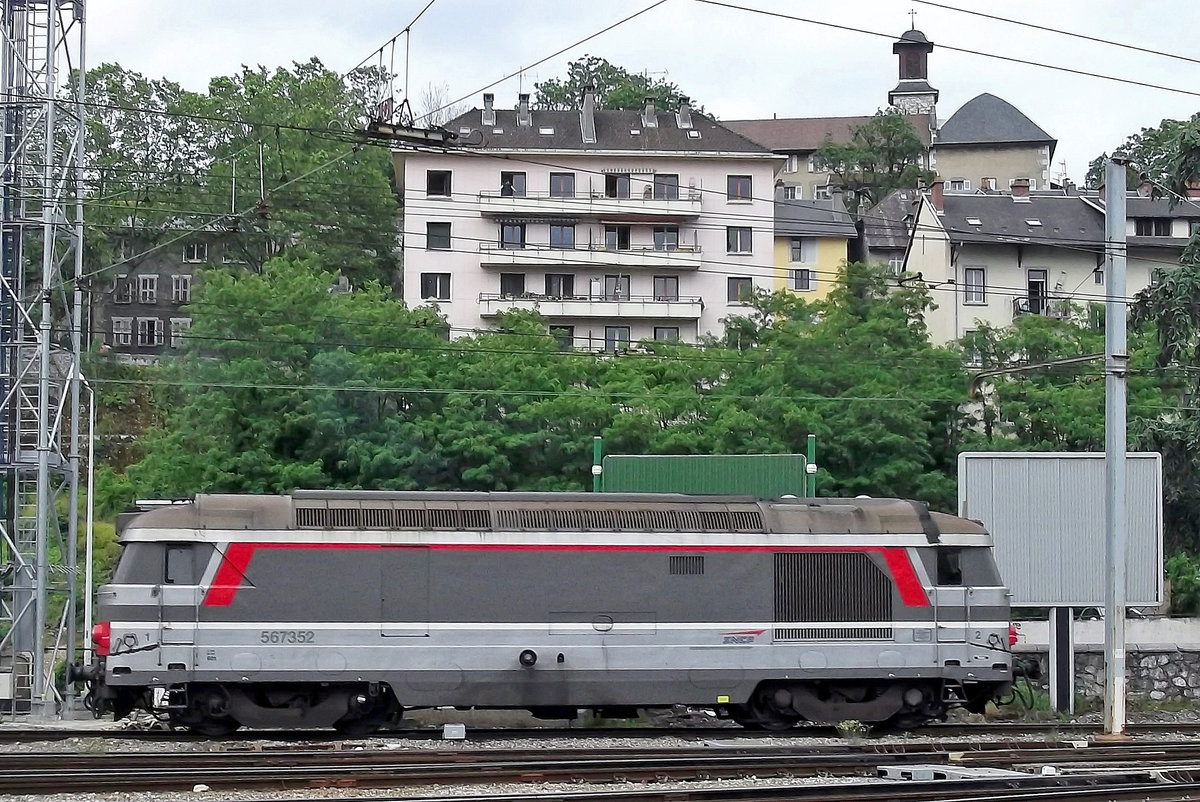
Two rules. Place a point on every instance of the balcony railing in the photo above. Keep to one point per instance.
(677, 258)
(590, 204)
(1041, 305)
(580, 306)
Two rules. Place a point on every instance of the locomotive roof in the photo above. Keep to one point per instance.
(607, 513)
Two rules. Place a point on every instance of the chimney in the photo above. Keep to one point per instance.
(936, 195)
(649, 118)
(1192, 189)
(1069, 188)
(1102, 190)
(778, 189)
(587, 115)
(523, 116)
(1020, 189)
(684, 117)
(489, 114)
(1146, 187)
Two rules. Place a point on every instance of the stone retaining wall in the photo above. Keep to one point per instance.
(1154, 676)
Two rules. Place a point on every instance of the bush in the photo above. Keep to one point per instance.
(1183, 572)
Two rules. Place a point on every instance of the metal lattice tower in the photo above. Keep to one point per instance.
(41, 265)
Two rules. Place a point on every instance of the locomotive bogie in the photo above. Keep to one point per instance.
(340, 609)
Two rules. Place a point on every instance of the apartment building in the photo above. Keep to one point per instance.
(993, 257)
(812, 241)
(616, 226)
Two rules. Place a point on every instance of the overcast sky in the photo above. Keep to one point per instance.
(737, 64)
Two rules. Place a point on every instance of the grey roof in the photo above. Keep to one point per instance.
(614, 131)
(1140, 206)
(913, 86)
(1064, 219)
(987, 119)
(913, 35)
(888, 224)
(792, 134)
(813, 219)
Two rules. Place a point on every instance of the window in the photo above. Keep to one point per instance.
(181, 289)
(231, 256)
(512, 284)
(437, 183)
(803, 250)
(823, 193)
(1098, 275)
(122, 330)
(793, 193)
(512, 184)
(563, 336)
(1193, 227)
(970, 340)
(666, 288)
(178, 568)
(738, 240)
(666, 333)
(616, 238)
(802, 279)
(616, 288)
(179, 329)
(562, 236)
(740, 289)
(817, 165)
(123, 290)
(147, 289)
(616, 337)
(562, 185)
(435, 286)
(149, 331)
(958, 184)
(896, 264)
(666, 186)
(739, 188)
(1152, 227)
(975, 289)
(792, 165)
(512, 235)
(987, 183)
(437, 236)
(560, 285)
(1011, 181)
(616, 185)
(666, 238)
(195, 252)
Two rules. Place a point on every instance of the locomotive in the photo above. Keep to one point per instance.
(344, 608)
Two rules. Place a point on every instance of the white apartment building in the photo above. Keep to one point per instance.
(617, 226)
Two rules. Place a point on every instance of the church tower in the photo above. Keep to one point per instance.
(913, 94)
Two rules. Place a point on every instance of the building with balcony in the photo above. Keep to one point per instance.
(993, 257)
(617, 226)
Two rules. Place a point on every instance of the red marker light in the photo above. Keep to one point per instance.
(102, 638)
(1012, 635)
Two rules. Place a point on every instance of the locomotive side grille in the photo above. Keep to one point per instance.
(602, 519)
(688, 565)
(830, 587)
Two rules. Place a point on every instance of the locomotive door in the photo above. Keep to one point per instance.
(953, 614)
(404, 591)
(178, 598)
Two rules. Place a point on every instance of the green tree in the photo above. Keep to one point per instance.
(616, 87)
(883, 154)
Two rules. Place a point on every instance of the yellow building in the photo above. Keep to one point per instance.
(812, 239)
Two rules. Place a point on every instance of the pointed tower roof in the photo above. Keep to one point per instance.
(987, 119)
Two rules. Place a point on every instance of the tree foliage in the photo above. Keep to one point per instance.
(616, 87)
(883, 154)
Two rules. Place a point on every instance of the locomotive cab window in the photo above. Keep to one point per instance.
(180, 569)
(949, 566)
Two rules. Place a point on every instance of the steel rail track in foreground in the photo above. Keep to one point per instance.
(1001, 730)
(34, 773)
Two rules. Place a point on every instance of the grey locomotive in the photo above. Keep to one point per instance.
(343, 608)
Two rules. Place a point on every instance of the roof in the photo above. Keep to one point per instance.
(809, 133)
(987, 119)
(812, 218)
(913, 35)
(614, 131)
(1062, 218)
(885, 224)
(1141, 206)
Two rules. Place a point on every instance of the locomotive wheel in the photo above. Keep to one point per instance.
(759, 714)
(354, 725)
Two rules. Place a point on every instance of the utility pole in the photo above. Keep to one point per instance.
(1116, 362)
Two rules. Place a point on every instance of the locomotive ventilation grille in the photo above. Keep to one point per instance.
(537, 520)
(828, 588)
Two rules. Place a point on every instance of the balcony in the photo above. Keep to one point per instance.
(592, 204)
(681, 258)
(648, 307)
(1041, 305)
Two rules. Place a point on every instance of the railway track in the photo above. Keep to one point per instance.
(39, 773)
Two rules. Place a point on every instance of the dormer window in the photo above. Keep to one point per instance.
(546, 130)
(1033, 222)
(974, 221)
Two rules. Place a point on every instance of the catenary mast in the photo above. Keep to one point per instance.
(41, 267)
